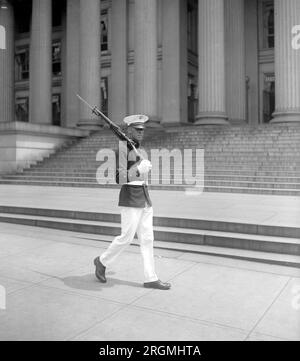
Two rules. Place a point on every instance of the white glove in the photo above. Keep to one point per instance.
(144, 166)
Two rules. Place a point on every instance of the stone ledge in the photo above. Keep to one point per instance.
(24, 144)
(41, 129)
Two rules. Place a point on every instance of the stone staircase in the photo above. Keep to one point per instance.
(260, 160)
(277, 245)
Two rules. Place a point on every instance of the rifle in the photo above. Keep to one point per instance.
(114, 127)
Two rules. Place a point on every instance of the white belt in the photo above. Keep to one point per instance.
(136, 183)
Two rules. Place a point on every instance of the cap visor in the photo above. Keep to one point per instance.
(138, 126)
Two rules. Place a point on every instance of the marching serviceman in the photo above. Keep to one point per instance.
(136, 212)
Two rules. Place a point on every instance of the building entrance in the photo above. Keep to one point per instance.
(268, 97)
(266, 92)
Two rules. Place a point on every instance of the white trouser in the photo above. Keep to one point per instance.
(140, 221)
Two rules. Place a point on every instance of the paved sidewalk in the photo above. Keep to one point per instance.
(230, 207)
(52, 294)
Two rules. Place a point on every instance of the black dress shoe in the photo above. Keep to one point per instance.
(159, 285)
(100, 270)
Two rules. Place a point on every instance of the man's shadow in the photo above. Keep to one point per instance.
(89, 282)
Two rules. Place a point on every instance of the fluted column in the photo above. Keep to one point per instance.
(72, 63)
(63, 68)
(211, 84)
(90, 61)
(235, 61)
(145, 57)
(7, 66)
(287, 63)
(174, 64)
(119, 63)
(40, 105)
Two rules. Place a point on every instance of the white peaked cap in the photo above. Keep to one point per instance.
(137, 120)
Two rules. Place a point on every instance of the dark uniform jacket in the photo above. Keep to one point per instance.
(131, 195)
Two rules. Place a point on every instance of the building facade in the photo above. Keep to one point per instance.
(178, 61)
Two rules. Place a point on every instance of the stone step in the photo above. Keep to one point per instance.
(184, 135)
(250, 146)
(162, 181)
(162, 221)
(207, 162)
(208, 145)
(207, 154)
(85, 147)
(241, 254)
(220, 172)
(283, 154)
(237, 241)
(207, 176)
(238, 162)
(236, 168)
(224, 189)
(265, 159)
(181, 131)
(208, 157)
(208, 148)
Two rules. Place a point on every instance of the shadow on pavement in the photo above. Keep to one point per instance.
(89, 282)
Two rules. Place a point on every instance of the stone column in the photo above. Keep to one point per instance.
(287, 63)
(40, 102)
(145, 59)
(119, 63)
(211, 53)
(235, 61)
(72, 63)
(7, 85)
(174, 62)
(90, 62)
(63, 68)
(251, 39)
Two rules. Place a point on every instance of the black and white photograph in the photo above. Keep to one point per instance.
(150, 173)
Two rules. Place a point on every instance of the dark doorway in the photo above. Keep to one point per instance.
(268, 97)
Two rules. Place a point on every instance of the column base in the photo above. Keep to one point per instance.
(90, 124)
(154, 123)
(238, 122)
(175, 124)
(286, 117)
(153, 127)
(211, 118)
